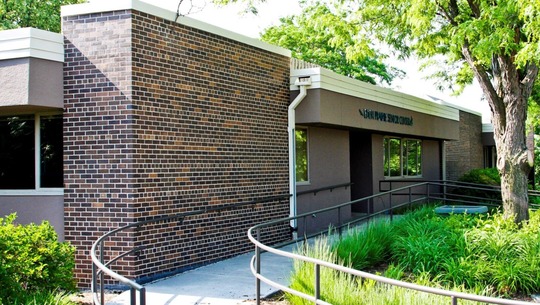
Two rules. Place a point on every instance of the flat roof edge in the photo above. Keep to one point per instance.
(325, 79)
(31, 42)
(116, 5)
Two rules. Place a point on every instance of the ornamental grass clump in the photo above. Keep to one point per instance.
(344, 289)
(480, 254)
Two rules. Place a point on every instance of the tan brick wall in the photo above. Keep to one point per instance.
(161, 118)
(466, 153)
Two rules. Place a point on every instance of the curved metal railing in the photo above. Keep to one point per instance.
(414, 195)
(100, 268)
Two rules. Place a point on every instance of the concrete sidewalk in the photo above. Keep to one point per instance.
(228, 282)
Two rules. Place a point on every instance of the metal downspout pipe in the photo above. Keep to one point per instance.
(302, 83)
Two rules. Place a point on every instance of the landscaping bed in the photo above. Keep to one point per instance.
(479, 254)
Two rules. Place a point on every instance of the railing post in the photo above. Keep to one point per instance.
(317, 282)
(94, 281)
(132, 296)
(102, 274)
(258, 268)
(444, 192)
(428, 193)
(142, 296)
(339, 220)
(391, 210)
(454, 300)
(304, 221)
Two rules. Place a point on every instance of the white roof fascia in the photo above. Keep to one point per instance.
(449, 104)
(487, 127)
(144, 7)
(31, 42)
(322, 78)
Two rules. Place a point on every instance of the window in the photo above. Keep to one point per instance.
(301, 155)
(412, 150)
(402, 157)
(21, 162)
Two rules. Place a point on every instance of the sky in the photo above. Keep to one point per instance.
(231, 18)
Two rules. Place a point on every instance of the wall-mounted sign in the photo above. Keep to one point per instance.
(386, 117)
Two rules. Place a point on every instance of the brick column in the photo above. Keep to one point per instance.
(162, 118)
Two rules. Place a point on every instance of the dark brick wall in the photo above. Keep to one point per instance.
(160, 119)
(466, 153)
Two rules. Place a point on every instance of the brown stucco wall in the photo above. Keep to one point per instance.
(35, 209)
(335, 109)
(162, 118)
(30, 82)
(328, 165)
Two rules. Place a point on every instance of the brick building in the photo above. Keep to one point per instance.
(133, 112)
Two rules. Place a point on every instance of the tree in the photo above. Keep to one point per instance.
(325, 37)
(495, 41)
(41, 14)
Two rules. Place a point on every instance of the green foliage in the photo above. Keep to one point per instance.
(44, 298)
(489, 176)
(325, 35)
(302, 171)
(39, 14)
(422, 244)
(32, 261)
(365, 246)
(533, 125)
(486, 255)
(343, 289)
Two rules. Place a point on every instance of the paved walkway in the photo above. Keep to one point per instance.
(228, 282)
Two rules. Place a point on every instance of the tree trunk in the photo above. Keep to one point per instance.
(513, 158)
(507, 90)
(514, 187)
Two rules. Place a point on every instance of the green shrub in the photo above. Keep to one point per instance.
(489, 176)
(32, 261)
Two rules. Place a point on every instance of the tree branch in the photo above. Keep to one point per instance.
(445, 14)
(495, 101)
(527, 82)
(474, 8)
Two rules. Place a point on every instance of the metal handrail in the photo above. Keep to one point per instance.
(100, 267)
(254, 235)
(326, 188)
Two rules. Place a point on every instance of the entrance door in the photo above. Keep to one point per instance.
(361, 169)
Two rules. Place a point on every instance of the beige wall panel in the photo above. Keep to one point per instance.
(35, 209)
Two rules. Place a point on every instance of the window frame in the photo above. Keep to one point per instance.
(403, 157)
(37, 190)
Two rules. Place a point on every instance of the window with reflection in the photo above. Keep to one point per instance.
(19, 163)
(301, 155)
(402, 157)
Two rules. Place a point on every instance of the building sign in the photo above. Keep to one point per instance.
(386, 117)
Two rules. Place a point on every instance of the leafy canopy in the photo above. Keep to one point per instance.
(41, 14)
(451, 28)
(324, 35)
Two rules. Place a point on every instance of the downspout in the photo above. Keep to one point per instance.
(301, 82)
